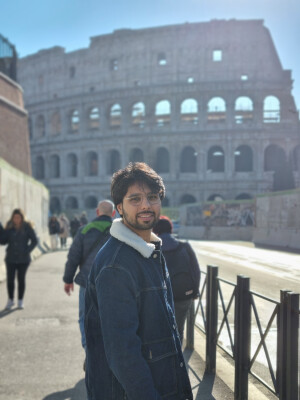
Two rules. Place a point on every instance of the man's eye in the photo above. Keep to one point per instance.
(152, 197)
(135, 199)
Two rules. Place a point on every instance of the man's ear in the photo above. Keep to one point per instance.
(120, 209)
(114, 213)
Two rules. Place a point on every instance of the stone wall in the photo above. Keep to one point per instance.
(14, 135)
(278, 220)
(18, 190)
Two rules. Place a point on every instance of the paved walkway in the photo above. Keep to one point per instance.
(41, 356)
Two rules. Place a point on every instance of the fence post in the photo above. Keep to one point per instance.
(190, 325)
(242, 335)
(282, 345)
(211, 318)
(292, 328)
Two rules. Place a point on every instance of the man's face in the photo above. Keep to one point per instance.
(140, 208)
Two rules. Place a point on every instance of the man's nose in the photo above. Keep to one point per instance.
(145, 202)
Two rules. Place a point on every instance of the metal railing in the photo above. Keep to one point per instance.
(242, 304)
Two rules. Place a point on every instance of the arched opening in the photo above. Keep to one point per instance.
(138, 114)
(54, 166)
(92, 163)
(91, 202)
(243, 159)
(39, 167)
(271, 110)
(40, 126)
(115, 116)
(188, 160)
(72, 165)
(243, 110)
(55, 207)
(274, 157)
(136, 155)
(163, 113)
(162, 163)
(71, 203)
(187, 199)
(275, 160)
(189, 111)
(216, 110)
(94, 118)
(216, 159)
(215, 197)
(74, 121)
(114, 162)
(55, 123)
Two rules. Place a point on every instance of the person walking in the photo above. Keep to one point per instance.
(183, 268)
(64, 230)
(82, 252)
(133, 347)
(54, 230)
(21, 240)
(74, 226)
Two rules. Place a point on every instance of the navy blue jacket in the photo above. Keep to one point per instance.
(20, 243)
(133, 348)
(80, 253)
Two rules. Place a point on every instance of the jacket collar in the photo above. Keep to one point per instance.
(119, 231)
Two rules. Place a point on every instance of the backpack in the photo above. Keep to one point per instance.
(183, 278)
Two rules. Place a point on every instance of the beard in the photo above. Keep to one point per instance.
(144, 225)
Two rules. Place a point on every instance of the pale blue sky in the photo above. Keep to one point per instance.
(39, 24)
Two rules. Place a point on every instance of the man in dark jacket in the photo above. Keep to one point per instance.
(87, 242)
(133, 348)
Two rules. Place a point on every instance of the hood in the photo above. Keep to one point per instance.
(168, 242)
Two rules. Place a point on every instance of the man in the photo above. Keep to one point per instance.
(133, 347)
(87, 242)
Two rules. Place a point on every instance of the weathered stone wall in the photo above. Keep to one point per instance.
(18, 190)
(14, 136)
(278, 220)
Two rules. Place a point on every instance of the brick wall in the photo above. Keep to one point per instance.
(14, 136)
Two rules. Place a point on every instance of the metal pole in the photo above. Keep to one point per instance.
(211, 318)
(242, 337)
(190, 323)
(292, 346)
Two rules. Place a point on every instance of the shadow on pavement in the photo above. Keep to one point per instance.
(78, 392)
(5, 313)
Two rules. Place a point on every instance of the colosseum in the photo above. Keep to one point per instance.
(208, 105)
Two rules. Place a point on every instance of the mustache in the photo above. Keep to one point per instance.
(146, 212)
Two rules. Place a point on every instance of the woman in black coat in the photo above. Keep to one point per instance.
(21, 240)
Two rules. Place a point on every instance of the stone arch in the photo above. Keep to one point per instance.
(136, 155)
(138, 114)
(162, 163)
(39, 167)
(189, 111)
(243, 110)
(40, 126)
(54, 166)
(113, 161)
(115, 115)
(92, 163)
(74, 120)
(188, 159)
(94, 118)
(163, 112)
(274, 157)
(72, 165)
(216, 159)
(71, 203)
(187, 199)
(243, 159)
(271, 112)
(216, 110)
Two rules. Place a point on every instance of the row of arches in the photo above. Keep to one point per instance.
(90, 202)
(274, 159)
(189, 113)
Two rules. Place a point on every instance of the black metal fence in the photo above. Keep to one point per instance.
(241, 306)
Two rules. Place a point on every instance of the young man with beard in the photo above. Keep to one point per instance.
(133, 348)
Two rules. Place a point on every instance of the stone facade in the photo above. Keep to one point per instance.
(208, 105)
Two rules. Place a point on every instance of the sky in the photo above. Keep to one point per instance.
(33, 25)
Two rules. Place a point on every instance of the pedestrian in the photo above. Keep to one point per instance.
(183, 268)
(83, 218)
(21, 240)
(64, 230)
(133, 347)
(89, 239)
(74, 226)
(54, 230)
